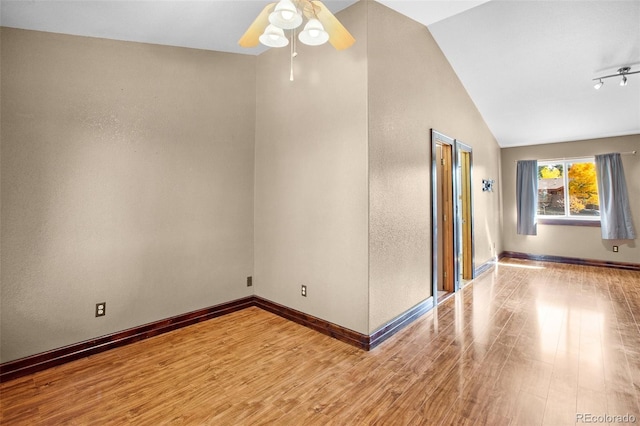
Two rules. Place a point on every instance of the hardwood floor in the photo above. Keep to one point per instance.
(527, 343)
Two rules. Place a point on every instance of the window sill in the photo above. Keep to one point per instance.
(569, 222)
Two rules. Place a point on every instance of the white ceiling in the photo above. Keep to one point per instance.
(527, 64)
(200, 24)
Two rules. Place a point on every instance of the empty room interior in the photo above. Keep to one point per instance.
(303, 212)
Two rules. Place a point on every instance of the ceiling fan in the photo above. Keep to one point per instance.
(322, 26)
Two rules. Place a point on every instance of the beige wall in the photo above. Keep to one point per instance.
(130, 174)
(572, 241)
(412, 89)
(127, 177)
(364, 251)
(311, 202)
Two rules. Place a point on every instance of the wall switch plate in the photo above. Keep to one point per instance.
(303, 290)
(249, 281)
(615, 249)
(101, 309)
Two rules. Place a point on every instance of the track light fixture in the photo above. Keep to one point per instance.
(623, 71)
(623, 82)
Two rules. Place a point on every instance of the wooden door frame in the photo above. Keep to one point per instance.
(460, 146)
(439, 138)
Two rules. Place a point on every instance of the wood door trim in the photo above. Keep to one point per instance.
(448, 221)
(468, 149)
(436, 137)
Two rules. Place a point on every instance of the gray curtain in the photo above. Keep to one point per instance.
(615, 211)
(527, 196)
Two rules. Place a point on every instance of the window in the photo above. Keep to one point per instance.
(568, 189)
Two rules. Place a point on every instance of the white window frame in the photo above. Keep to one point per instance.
(565, 176)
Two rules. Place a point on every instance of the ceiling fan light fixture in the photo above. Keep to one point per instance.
(285, 15)
(313, 33)
(623, 82)
(598, 85)
(274, 37)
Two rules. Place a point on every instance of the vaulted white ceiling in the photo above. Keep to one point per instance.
(527, 64)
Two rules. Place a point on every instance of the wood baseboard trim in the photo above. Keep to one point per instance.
(572, 260)
(38, 362)
(400, 322)
(325, 327)
(42, 361)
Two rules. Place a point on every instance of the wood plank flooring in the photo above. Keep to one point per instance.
(528, 343)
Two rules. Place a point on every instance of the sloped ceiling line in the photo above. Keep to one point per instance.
(527, 65)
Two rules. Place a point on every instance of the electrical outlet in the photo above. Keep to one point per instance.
(615, 249)
(249, 281)
(303, 291)
(101, 309)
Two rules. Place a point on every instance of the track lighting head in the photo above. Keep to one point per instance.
(622, 71)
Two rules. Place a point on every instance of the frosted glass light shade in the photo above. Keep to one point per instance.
(313, 33)
(273, 37)
(285, 15)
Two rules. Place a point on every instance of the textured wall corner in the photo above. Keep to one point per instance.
(412, 89)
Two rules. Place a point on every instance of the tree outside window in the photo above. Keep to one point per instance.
(583, 189)
(568, 189)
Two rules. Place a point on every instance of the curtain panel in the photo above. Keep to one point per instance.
(527, 196)
(615, 210)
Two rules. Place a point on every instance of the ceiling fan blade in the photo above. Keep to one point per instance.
(339, 37)
(255, 30)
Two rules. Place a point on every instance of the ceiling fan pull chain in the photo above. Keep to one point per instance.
(293, 53)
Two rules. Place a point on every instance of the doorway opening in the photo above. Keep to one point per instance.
(451, 215)
(464, 214)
